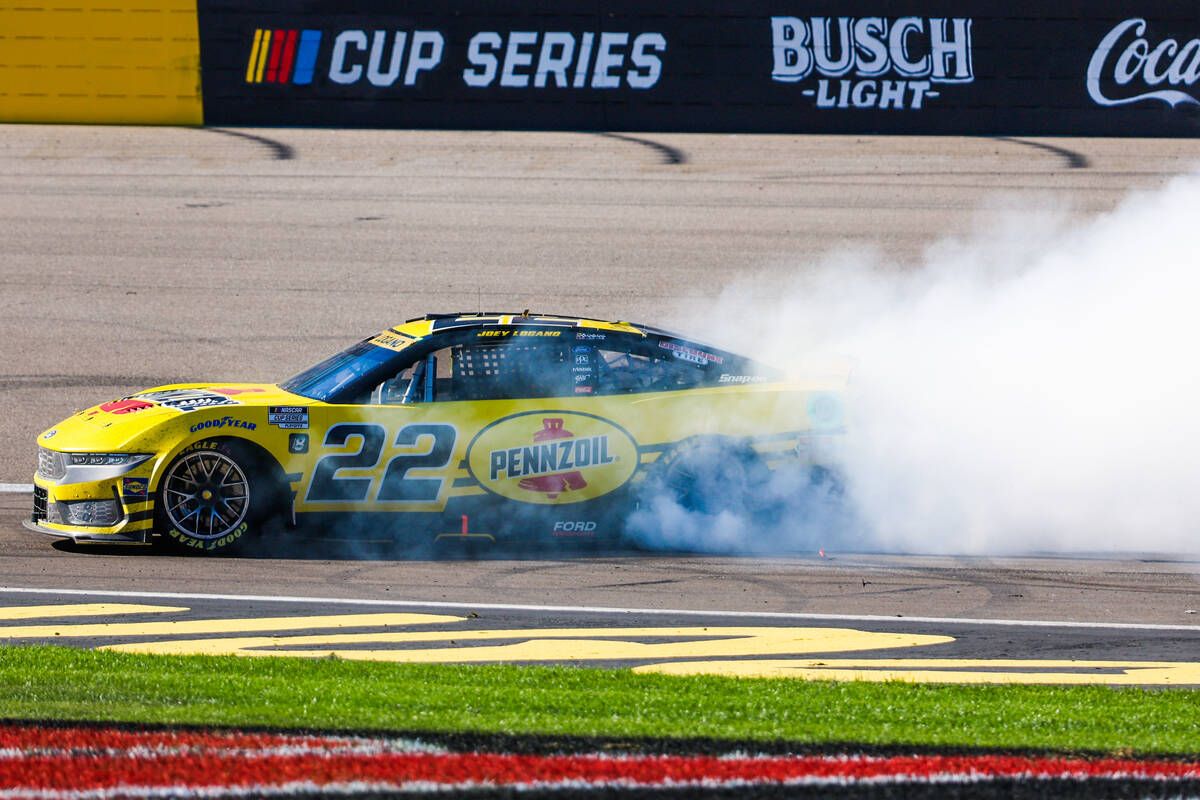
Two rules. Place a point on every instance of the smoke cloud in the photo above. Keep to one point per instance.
(1032, 387)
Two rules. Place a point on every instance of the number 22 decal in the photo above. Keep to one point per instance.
(397, 486)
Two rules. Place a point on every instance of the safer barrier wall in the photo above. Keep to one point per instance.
(847, 66)
(1107, 67)
(122, 61)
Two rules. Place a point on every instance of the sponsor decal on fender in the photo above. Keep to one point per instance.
(288, 417)
(1133, 66)
(223, 422)
(872, 62)
(552, 457)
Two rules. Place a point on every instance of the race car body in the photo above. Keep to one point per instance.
(495, 425)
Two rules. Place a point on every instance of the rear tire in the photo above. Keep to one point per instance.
(713, 476)
(213, 496)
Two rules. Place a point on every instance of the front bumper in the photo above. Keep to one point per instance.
(87, 537)
(132, 522)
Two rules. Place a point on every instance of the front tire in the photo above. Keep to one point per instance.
(210, 497)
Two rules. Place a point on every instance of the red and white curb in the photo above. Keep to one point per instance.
(86, 763)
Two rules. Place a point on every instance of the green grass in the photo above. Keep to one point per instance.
(54, 683)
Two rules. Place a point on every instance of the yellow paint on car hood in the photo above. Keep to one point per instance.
(98, 429)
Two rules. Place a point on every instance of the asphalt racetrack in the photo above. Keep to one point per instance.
(135, 257)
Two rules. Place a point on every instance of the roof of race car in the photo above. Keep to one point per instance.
(526, 317)
(400, 336)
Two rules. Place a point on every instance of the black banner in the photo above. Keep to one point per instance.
(926, 66)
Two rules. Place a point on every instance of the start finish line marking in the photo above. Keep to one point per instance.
(16, 488)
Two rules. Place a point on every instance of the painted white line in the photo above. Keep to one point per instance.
(16, 488)
(674, 612)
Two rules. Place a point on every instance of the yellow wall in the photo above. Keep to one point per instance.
(90, 61)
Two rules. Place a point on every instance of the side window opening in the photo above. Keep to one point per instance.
(523, 368)
(420, 382)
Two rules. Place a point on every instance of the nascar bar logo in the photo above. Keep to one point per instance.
(918, 52)
(283, 56)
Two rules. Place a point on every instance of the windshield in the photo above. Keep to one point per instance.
(341, 378)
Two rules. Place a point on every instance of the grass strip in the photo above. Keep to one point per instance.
(60, 683)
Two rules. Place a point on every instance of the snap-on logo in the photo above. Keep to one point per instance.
(552, 457)
(1128, 67)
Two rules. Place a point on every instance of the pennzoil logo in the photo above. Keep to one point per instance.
(552, 457)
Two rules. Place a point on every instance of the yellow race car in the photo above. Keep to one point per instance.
(513, 426)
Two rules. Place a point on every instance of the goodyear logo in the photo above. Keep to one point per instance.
(552, 457)
(223, 422)
(283, 56)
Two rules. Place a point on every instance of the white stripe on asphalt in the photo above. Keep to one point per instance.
(16, 488)
(252, 598)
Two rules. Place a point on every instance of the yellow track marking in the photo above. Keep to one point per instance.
(722, 645)
(83, 610)
(132, 629)
(562, 644)
(948, 670)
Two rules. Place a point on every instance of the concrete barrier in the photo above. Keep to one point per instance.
(982, 67)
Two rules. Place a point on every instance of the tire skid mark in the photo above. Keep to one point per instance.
(1073, 159)
(280, 151)
(666, 153)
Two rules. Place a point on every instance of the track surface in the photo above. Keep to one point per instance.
(134, 257)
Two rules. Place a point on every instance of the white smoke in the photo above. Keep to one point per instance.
(1034, 387)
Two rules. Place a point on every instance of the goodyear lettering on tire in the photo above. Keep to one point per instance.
(209, 544)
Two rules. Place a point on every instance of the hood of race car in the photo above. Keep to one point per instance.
(111, 424)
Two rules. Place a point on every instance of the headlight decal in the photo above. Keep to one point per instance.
(87, 467)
